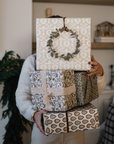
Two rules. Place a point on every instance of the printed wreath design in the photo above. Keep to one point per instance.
(56, 34)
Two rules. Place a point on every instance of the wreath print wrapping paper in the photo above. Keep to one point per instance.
(78, 119)
(63, 44)
(53, 90)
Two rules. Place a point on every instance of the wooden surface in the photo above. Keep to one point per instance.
(34, 47)
(102, 45)
(97, 2)
(93, 46)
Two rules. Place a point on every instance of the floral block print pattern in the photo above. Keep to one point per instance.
(86, 88)
(55, 123)
(77, 119)
(83, 118)
(58, 79)
(63, 44)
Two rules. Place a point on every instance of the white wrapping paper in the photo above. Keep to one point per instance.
(63, 44)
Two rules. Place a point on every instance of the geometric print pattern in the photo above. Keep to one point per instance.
(86, 88)
(63, 44)
(108, 137)
(83, 118)
(78, 119)
(55, 123)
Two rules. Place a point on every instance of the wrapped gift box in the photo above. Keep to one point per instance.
(77, 119)
(86, 88)
(83, 118)
(53, 90)
(63, 44)
(55, 123)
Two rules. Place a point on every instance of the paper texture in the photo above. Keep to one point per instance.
(63, 44)
(55, 123)
(77, 119)
(83, 118)
(86, 88)
(53, 90)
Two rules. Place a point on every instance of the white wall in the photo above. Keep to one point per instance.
(16, 35)
(98, 14)
(16, 27)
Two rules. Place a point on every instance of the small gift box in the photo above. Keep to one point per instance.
(83, 118)
(53, 90)
(77, 119)
(55, 123)
(63, 43)
(86, 88)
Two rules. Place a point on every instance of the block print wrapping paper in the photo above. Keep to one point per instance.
(77, 119)
(55, 123)
(83, 118)
(59, 92)
(86, 88)
(63, 44)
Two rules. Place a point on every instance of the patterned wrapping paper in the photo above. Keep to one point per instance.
(86, 88)
(60, 84)
(77, 119)
(55, 123)
(63, 44)
(83, 118)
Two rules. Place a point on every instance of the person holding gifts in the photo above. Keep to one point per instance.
(24, 104)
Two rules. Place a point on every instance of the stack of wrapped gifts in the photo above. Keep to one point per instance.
(59, 84)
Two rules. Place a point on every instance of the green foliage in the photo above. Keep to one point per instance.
(56, 34)
(10, 68)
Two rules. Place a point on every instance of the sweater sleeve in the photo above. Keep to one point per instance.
(101, 83)
(23, 92)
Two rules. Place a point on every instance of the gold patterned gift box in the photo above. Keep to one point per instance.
(55, 44)
(53, 90)
(78, 119)
(83, 118)
(86, 88)
(55, 123)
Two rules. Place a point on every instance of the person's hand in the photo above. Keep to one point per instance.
(97, 68)
(37, 118)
